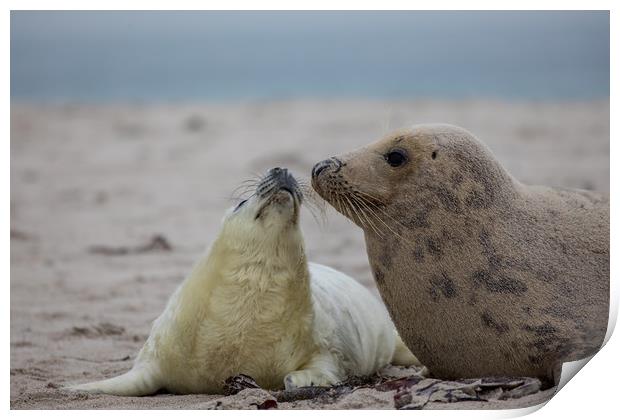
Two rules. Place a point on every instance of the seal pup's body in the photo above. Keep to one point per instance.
(255, 306)
(483, 275)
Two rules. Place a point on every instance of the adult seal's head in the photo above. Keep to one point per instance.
(482, 274)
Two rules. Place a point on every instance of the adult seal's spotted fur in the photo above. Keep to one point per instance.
(482, 274)
(254, 305)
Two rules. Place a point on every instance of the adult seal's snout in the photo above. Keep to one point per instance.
(333, 163)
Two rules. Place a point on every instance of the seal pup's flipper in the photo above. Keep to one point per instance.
(321, 370)
(138, 382)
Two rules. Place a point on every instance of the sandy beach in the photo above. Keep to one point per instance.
(111, 205)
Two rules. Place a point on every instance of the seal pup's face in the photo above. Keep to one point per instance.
(270, 211)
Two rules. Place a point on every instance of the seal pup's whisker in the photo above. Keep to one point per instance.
(248, 184)
(313, 202)
(320, 218)
(239, 197)
(244, 187)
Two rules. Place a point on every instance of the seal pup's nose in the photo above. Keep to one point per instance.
(276, 171)
(282, 179)
(324, 164)
(280, 175)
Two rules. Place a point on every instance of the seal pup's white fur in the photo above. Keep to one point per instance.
(253, 305)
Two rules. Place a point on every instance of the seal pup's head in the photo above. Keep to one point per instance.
(270, 215)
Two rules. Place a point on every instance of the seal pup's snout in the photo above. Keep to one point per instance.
(280, 180)
(278, 190)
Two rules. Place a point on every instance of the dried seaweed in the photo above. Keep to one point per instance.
(238, 383)
(411, 392)
(156, 244)
(481, 389)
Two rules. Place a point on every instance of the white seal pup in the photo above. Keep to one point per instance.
(254, 305)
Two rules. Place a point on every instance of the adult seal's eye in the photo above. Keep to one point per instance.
(396, 157)
(239, 205)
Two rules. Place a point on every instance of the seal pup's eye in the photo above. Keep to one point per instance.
(239, 205)
(396, 157)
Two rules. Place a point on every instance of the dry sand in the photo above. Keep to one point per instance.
(116, 176)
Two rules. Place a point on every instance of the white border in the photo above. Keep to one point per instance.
(589, 395)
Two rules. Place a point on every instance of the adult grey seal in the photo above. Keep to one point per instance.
(254, 305)
(482, 275)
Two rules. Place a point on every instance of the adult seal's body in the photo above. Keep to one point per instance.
(482, 275)
(253, 305)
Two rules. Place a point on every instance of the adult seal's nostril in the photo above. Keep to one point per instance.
(320, 167)
(337, 164)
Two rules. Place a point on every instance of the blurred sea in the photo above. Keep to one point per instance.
(232, 56)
